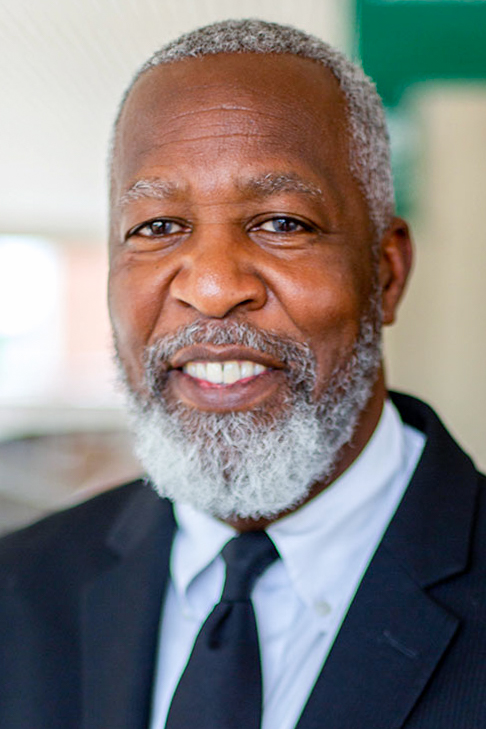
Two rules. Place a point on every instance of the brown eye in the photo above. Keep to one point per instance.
(158, 228)
(283, 224)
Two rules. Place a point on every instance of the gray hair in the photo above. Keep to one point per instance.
(369, 143)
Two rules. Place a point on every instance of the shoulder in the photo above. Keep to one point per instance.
(446, 498)
(446, 495)
(65, 538)
(441, 447)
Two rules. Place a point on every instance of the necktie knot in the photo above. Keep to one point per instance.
(247, 556)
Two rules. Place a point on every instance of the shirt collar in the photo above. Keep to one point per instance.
(200, 539)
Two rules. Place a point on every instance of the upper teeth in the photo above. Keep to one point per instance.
(223, 373)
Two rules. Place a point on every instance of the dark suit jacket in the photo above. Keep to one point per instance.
(81, 596)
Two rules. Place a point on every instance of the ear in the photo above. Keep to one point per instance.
(395, 264)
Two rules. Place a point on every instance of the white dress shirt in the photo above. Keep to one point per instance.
(302, 599)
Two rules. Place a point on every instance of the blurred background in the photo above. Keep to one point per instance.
(64, 65)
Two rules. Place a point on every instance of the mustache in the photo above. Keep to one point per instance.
(296, 357)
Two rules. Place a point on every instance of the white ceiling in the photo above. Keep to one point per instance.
(64, 65)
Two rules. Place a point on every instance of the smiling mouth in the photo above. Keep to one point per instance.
(223, 373)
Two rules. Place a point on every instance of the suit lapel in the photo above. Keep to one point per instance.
(390, 642)
(395, 633)
(120, 617)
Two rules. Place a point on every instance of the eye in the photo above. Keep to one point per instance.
(283, 224)
(158, 228)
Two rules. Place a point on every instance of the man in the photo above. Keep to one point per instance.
(254, 257)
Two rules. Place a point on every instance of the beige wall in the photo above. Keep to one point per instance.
(438, 350)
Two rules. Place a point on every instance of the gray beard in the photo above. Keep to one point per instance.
(260, 462)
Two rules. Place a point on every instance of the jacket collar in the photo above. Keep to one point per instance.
(439, 504)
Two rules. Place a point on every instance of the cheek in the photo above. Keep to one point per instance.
(320, 298)
(134, 304)
(326, 305)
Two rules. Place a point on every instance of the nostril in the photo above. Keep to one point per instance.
(216, 290)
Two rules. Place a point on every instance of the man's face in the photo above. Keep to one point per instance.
(233, 205)
(233, 200)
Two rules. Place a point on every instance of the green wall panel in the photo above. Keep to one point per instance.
(402, 42)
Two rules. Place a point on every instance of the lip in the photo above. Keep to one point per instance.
(222, 353)
(242, 395)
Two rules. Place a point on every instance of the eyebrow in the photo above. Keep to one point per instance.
(156, 188)
(272, 183)
(265, 185)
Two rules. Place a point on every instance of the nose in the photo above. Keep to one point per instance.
(217, 275)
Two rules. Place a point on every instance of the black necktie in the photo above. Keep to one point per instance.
(221, 687)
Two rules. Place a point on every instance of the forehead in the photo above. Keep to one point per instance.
(240, 106)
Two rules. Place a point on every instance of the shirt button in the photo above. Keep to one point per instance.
(322, 608)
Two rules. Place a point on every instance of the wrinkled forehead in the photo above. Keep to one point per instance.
(289, 100)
